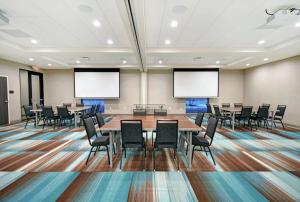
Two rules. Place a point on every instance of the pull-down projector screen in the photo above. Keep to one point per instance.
(97, 83)
(196, 83)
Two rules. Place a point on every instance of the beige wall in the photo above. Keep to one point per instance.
(160, 91)
(11, 69)
(59, 88)
(275, 83)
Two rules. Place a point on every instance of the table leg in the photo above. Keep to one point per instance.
(111, 143)
(233, 120)
(75, 119)
(190, 150)
(36, 119)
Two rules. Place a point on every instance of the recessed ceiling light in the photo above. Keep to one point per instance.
(50, 65)
(167, 41)
(96, 23)
(248, 65)
(31, 59)
(217, 62)
(174, 23)
(261, 42)
(77, 61)
(160, 61)
(109, 41)
(124, 61)
(266, 59)
(297, 24)
(33, 41)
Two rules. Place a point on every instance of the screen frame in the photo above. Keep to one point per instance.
(197, 70)
(97, 70)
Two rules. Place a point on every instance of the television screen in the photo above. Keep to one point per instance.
(195, 105)
(90, 102)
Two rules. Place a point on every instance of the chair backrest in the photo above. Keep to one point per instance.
(67, 104)
(39, 106)
(100, 119)
(48, 111)
(131, 132)
(139, 112)
(266, 106)
(211, 128)
(62, 111)
(225, 104)
(97, 109)
(236, 105)
(217, 110)
(246, 112)
(92, 109)
(280, 110)
(89, 128)
(199, 119)
(262, 112)
(167, 132)
(209, 109)
(27, 111)
(160, 112)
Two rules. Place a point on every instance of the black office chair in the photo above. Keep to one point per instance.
(64, 115)
(279, 114)
(132, 137)
(91, 112)
(160, 112)
(139, 112)
(30, 116)
(245, 115)
(223, 118)
(209, 110)
(101, 122)
(225, 105)
(166, 137)
(49, 116)
(98, 142)
(198, 122)
(261, 115)
(202, 142)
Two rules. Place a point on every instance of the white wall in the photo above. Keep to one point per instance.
(275, 83)
(11, 69)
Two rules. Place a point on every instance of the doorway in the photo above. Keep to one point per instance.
(32, 88)
(4, 115)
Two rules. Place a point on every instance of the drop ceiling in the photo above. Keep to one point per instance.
(227, 31)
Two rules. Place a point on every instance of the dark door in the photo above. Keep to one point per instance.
(3, 101)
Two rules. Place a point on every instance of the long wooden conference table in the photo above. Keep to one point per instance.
(149, 124)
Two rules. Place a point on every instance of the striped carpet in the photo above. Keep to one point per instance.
(49, 165)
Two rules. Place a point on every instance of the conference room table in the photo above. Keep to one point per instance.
(73, 110)
(234, 110)
(149, 125)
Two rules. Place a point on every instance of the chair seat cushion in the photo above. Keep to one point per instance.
(199, 141)
(101, 141)
(165, 145)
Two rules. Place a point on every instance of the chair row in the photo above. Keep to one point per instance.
(143, 112)
(132, 137)
(48, 115)
(246, 115)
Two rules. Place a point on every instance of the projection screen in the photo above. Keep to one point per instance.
(97, 83)
(196, 83)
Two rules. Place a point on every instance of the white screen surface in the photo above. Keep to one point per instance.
(189, 84)
(97, 84)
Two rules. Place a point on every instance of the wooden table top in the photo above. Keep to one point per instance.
(149, 122)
